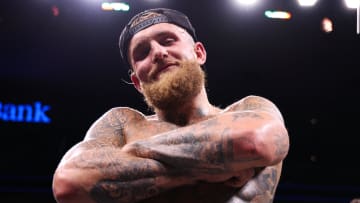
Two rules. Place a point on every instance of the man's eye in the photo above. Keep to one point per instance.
(168, 41)
(141, 54)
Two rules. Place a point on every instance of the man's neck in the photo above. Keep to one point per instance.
(197, 109)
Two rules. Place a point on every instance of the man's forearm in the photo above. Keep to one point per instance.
(106, 174)
(141, 179)
(229, 142)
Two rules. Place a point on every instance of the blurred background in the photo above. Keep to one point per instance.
(60, 70)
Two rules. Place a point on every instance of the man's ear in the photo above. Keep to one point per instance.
(136, 81)
(200, 53)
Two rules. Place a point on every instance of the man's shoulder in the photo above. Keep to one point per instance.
(113, 121)
(129, 113)
(243, 103)
(121, 112)
(255, 103)
(254, 98)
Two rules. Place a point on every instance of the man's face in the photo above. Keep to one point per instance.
(160, 48)
(163, 49)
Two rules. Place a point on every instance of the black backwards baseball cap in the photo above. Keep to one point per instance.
(148, 18)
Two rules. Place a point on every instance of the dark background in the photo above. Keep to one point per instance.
(71, 62)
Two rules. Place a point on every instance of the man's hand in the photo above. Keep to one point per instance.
(237, 179)
(241, 179)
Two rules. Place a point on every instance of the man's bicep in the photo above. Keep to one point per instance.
(107, 131)
(90, 149)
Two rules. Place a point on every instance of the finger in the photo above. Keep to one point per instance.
(239, 181)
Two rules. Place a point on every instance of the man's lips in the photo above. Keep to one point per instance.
(161, 68)
(166, 67)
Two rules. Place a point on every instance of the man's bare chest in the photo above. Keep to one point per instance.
(145, 129)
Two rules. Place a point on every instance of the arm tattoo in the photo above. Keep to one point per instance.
(282, 145)
(109, 191)
(200, 152)
(255, 103)
(267, 181)
(113, 122)
(261, 189)
(247, 114)
(193, 152)
(124, 180)
(135, 181)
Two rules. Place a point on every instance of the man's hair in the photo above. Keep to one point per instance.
(148, 18)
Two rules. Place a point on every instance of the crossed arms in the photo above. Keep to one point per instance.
(107, 168)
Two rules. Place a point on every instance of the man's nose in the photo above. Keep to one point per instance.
(159, 52)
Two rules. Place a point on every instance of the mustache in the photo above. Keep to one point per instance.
(160, 66)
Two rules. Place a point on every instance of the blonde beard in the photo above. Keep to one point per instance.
(175, 87)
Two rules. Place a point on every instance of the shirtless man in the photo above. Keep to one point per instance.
(189, 150)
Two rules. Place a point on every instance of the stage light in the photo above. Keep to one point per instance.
(327, 25)
(278, 14)
(246, 2)
(55, 10)
(116, 6)
(353, 4)
(106, 6)
(307, 2)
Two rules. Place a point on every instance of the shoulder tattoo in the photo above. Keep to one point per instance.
(256, 103)
(113, 122)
